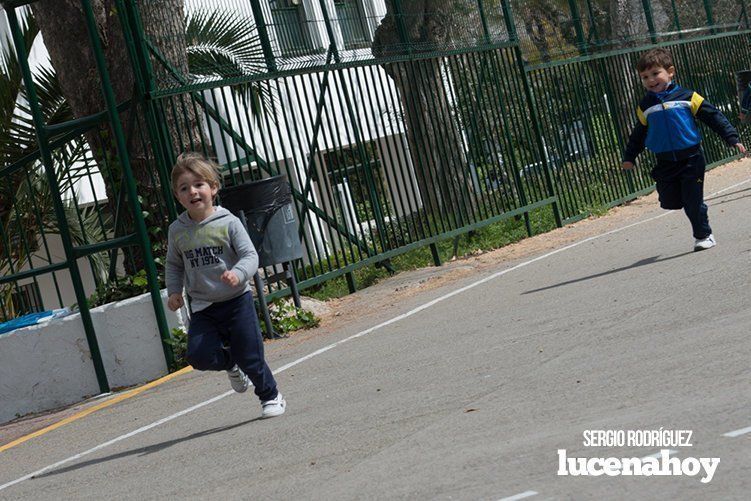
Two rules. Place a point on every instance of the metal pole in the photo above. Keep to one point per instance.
(744, 12)
(401, 26)
(710, 16)
(484, 19)
(508, 18)
(510, 27)
(593, 23)
(676, 19)
(650, 20)
(134, 35)
(263, 34)
(330, 31)
(141, 231)
(49, 167)
(577, 20)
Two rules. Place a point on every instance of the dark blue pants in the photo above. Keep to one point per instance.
(680, 185)
(233, 324)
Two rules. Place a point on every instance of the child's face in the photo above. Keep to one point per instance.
(196, 195)
(657, 78)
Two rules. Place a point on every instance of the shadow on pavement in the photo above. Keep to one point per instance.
(643, 262)
(148, 449)
(725, 195)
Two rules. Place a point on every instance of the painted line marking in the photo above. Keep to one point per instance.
(737, 433)
(124, 396)
(658, 455)
(117, 439)
(521, 495)
(354, 336)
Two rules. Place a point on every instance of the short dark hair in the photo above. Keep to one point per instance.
(655, 57)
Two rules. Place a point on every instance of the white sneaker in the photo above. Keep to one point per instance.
(704, 243)
(273, 408)
(238, 379)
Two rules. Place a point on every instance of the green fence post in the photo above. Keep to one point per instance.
(676, 19)
(710, 16)
(484, 19)
(650, 19)
(511, 28)
(49, 168)
(593, 23)
(263, 34)
(330, 31)
(508, 18)
(400, 25)
(577, 20)
(141, 231)
(134, 36)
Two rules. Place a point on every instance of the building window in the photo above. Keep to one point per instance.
(291, 27)
(352, 23)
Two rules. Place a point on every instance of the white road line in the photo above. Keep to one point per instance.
(658, 455)
(355, 336)
(737, 433)
(118, 439)
(521, 495)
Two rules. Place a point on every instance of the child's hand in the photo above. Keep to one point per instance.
(627, 165)
(742, 116)
(229, 278)
(175, 301)
(741, 148)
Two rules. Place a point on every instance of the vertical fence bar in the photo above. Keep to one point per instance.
(141, 231)
(263, 34)
(484, 20)
(135, 39)
(330, 31)
(509, 19)
(577, 20)
(401, 25)
(49, 167)
(676, 19)
(650, 19)
(593, 23)
(710, 16)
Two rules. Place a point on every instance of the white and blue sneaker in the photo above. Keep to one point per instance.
(238, 379)
(704, 243)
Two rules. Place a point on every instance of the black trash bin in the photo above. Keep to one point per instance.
(743, 79)
(270, 218)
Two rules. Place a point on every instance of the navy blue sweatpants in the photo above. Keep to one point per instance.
(680, 185)
(234, 324)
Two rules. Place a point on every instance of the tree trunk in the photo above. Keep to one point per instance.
(434, 138)
(63, 28)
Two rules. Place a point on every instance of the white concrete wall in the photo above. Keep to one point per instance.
(49, 365)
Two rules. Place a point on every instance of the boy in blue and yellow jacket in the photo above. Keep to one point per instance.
(667, 127)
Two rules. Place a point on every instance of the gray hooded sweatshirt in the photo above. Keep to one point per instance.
(198, 254)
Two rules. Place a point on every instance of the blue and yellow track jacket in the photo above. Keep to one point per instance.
(667, 125)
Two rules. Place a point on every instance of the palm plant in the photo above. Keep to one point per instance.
(27, 212)
(223, 45)
(220, 45)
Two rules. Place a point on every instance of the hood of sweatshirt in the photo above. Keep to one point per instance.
(185, 221)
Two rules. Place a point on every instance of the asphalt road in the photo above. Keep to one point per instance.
(468, 397)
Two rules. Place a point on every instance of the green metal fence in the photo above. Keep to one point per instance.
(393, 136)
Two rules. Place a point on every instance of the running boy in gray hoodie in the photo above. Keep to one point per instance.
(211, 257)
